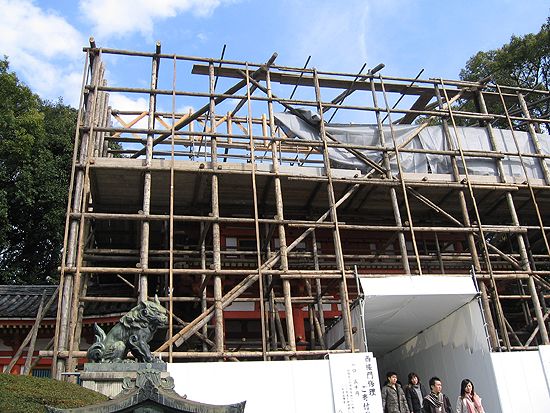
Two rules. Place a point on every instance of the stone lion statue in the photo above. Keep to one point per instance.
(131, 334)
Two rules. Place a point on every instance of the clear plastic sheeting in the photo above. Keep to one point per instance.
(431, 138)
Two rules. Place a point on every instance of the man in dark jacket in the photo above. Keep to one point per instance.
(393, 396)
(436, 401)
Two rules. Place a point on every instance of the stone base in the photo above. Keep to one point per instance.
(107, 378)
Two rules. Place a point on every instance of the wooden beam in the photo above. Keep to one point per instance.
(420, 104)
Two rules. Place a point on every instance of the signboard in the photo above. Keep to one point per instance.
(355, 385)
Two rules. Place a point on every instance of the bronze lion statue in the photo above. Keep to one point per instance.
(131, 334)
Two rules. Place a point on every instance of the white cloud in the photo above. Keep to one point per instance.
(124, 17)
(123, 102)
(43, 48)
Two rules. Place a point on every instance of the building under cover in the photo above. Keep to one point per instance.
(282, 214)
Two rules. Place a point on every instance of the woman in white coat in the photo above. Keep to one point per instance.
(468, 401)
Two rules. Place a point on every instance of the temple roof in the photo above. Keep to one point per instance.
(22, 301)
(149, 390)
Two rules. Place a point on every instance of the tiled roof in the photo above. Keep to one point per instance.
(22, 301)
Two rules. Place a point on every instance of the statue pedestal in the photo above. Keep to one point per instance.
(107, 378)
(147, 392)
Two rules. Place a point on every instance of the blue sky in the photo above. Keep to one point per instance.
(44, 39)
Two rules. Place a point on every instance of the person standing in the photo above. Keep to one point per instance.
(415, 393)
(468, 401)
(436, 401)
(393, 396)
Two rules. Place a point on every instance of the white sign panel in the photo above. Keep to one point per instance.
(355, 386)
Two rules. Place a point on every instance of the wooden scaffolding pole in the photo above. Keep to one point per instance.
(346, 315)
(498, 306)
(146, 210)
(75, 204)
(290, 266)
(171, 223)
(401, 176)
(525, 265)
(249, 280)
(393, 192)
(289, 318)
(252, 149)
(216, 256)
(532, 288)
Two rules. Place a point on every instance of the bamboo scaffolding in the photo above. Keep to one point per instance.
(256, 215)
(218, 292)
(489, 268)
(290, 337)
(144, 253)
(171, 226)
(239, 176)
(72, 227)
(346, 315)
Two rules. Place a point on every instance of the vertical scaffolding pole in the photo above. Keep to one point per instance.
(401, 177)
(498, 306)
(93, 61)
(272, 331)
(346, 315)
(144, 252)
(84, 225)
(509, 199)
(318, 288)
(534, 137)
(204, 329)
(466, 219)
(546, 172)
(531, 282)
(456, 176)
(218, 288)
(271, 308)
(280, 217)
(256, 223)
(102, 102)
(171, 229)
(393, 192)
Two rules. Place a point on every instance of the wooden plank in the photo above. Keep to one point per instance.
(304, 80)
(420, 104)
(34, 334)
(342, 83)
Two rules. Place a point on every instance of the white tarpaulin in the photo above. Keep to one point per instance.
(293, 386)
(399, 308)
(428, 138)
(520, 381)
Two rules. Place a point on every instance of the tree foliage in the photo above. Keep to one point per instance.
(523, 62)
(35, 161)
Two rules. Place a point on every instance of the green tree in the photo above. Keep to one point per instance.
(523, 62)
(35, 161)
